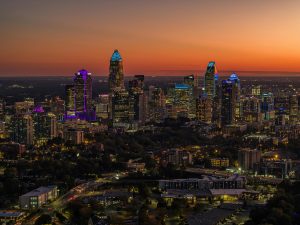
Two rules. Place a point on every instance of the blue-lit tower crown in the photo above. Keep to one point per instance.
(116, 74)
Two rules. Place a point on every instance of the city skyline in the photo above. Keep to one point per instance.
(164, 38)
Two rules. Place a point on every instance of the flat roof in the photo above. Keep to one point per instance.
(11, 213)
(227, 191)
(39, 191)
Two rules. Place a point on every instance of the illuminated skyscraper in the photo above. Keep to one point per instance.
(293, 109)
(83, 91)
(204, 109)
(251, 108)
(116, 74)
(189, 80)
(210, 80)
(136, 98)
(79, 97)
(156, 104)
(230, 100)
(45, 125)
(181, 102)
(102, 107)
(267, 106)
(22, 130)
(70, 101)
(237, 95)
(120, 109)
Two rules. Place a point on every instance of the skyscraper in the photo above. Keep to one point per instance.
(293, 109)
(120, 108)
(237, 95)
(116, 74)
(230, 100)
(189, 80)
(22, 130)
(156, 104)
(267, 106)
(45, 125)
(210, 80)
(136, 98)
(83, 91)
(181, 102)
(70, 101)
(204, 109)
(79, 97)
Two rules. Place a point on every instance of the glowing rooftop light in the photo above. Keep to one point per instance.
(216, 77)
(182, 86)
(211, 64)
(116, 56)
(233, 77)
(38, 109)
(83, 73)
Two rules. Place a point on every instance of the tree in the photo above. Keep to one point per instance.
(43, 219)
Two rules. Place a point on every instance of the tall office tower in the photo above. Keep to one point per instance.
(189, 80)
(156, 104)
(45, 125)
(256, 91)
(293, 109)
(2, 109)
(57, 106)
(102, 107)
(136, 98)
(192, 82)
(229, 101)
(280, 116)
(21, 130)
(137, 83)
(83, 92)
(120, 108)
(24, 107)
(237, 95)
(182, 100)
(116, 74)
(210, 80)
(204, 109)
(251, 109)
(70, 101)
(216, 106)
(267, 106)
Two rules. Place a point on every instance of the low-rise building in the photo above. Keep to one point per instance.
(208, 182)
(219, 162)
(177, 157)
(36, 198)
(248, 158)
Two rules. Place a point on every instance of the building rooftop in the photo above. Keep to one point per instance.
(39, 191)
(11, 214)
(215, 192)
(116, 56)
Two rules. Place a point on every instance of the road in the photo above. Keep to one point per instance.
(60, 203)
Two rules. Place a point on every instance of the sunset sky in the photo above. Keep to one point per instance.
(159, 37)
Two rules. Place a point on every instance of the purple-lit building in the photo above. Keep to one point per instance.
(79, 97)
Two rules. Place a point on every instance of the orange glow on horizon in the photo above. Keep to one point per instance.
(154, 38)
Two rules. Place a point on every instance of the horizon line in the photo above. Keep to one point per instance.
(184, 73)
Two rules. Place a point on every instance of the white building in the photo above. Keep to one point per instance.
(36, 198)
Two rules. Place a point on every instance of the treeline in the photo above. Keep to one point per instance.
(282, 209)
